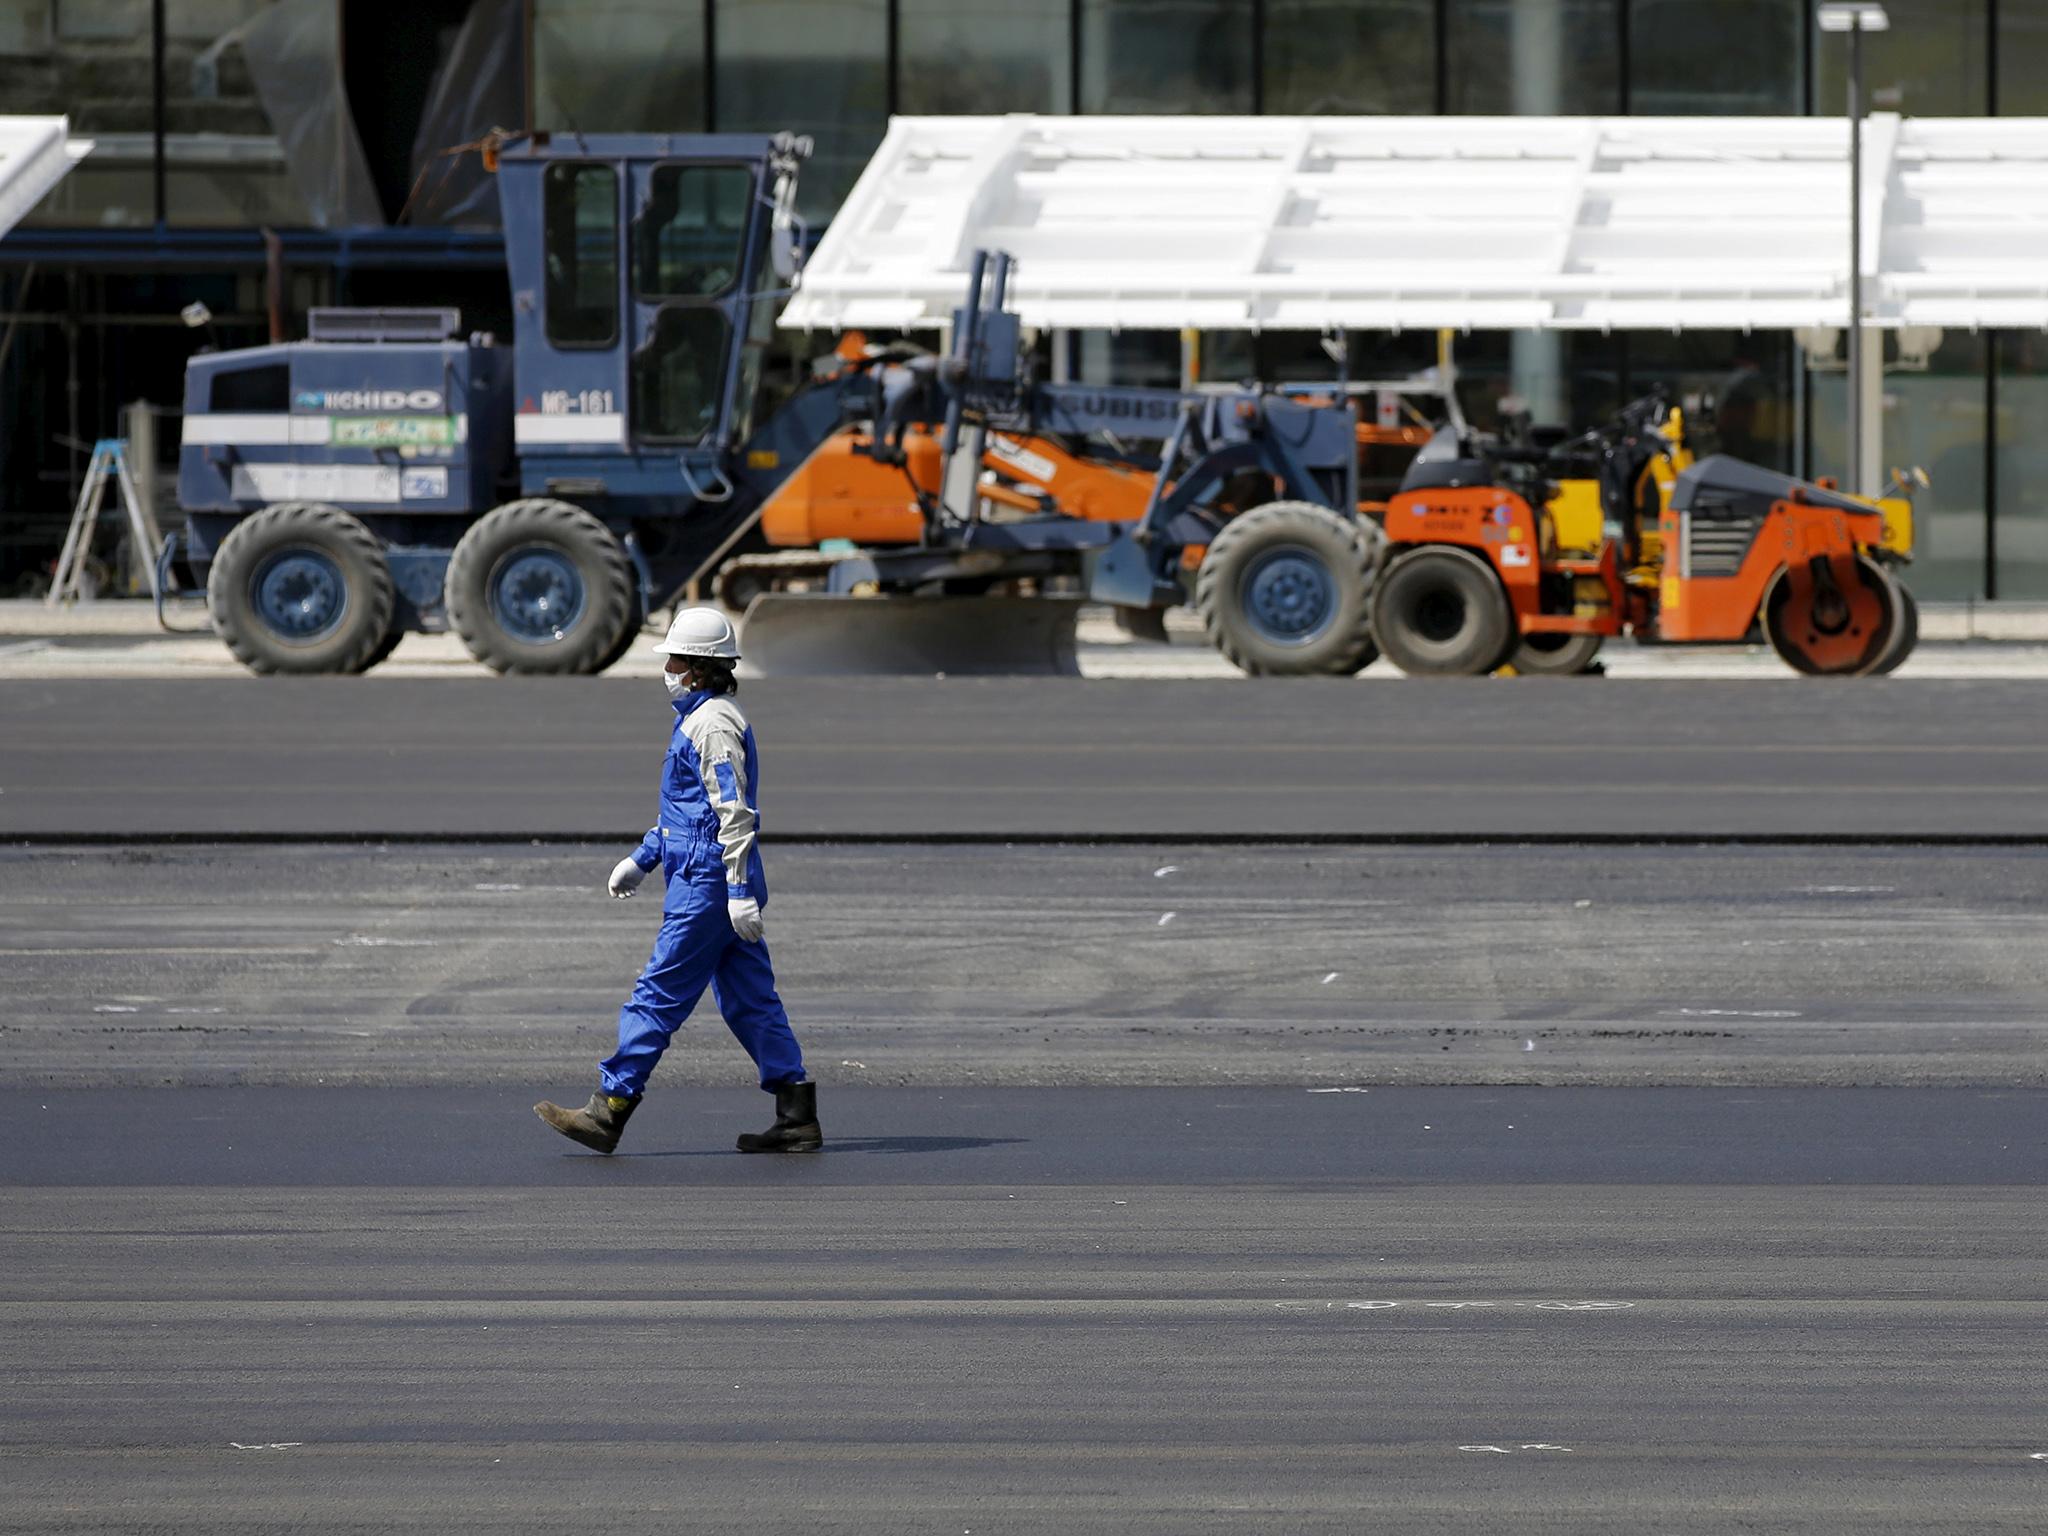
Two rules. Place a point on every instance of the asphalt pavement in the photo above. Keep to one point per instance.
(1043, 758)
(1036, 965)
(1402, 1238)
(1034, 1310)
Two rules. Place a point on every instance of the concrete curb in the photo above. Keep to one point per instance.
(132, 618)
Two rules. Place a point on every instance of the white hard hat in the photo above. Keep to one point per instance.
(701, 632)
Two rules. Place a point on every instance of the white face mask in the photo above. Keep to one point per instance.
(677, 683)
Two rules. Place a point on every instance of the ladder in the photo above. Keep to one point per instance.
(109, 462)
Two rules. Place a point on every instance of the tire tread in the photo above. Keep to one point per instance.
(612, 600)
(1353, 650)
(380, 595)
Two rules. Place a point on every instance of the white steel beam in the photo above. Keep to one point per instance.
(35, 154)
(1466, 223)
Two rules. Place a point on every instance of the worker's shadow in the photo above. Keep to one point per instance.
(900, 1145)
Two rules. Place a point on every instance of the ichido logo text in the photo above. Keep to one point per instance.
(367, 400)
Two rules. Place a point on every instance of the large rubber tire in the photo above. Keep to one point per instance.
(1553, 655)
(1286, 591)
(1441, 612)
(384, 649)
(634, 627)
(300, 588)
(1858, 653)
(1906, 639)
(539, 586)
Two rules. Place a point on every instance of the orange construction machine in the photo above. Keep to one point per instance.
(843, 494)
(1504, 555)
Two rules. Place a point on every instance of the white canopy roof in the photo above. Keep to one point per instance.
(1639, 223)
(35, 152)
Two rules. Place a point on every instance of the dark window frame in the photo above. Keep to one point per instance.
(548, 179)
(635, 430)
(652, 296)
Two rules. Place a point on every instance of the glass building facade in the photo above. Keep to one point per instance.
(266, 155)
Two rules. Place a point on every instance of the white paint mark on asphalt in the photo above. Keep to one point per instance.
(1329, 978)
(1164, 870)
(1166, 918)
(1340, 1090)
(267, 1445)
(195, 1010)
(114, 1008)
(2038, 1456)
(1847, 890)
(487, 886)
(1731, 1013)
(1528, 1045)
(1457, 1306)
(367, 941)
(1509, 1450)
(1582, 905)
(861, 1064)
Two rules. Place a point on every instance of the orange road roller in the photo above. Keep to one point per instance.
(1508, 557)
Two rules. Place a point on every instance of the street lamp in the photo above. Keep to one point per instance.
(1855, 17)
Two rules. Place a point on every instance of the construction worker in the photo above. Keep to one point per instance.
(711, 916)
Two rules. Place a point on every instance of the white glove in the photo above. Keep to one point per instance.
(625, 879)
(746, 919)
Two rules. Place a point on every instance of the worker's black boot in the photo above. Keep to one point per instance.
(796, 1122)
(598, 1124)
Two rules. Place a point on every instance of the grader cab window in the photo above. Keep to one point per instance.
(678, 374)
(690, 238)
(580, 204)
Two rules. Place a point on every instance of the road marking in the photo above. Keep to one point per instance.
(366, 941)
(1731, 1013)
(267, 1445)
(1167, 918)
(1455, 1306)
(162, 949)
(1509, 1450)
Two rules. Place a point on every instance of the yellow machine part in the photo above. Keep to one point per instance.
(1898, 524)
(1576, 518)
(1575, 514)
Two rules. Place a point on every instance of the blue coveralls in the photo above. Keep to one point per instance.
(696, 944)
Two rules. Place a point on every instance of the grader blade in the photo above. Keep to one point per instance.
(804, 634)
